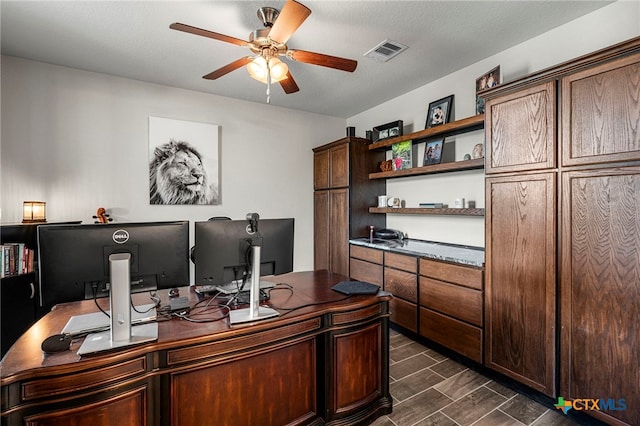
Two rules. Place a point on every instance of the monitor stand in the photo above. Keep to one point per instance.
(121, 333)
(254, 312)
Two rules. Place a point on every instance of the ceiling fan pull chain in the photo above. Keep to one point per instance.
(268, 82)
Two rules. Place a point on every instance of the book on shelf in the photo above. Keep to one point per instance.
(15, 259)
(432, 205)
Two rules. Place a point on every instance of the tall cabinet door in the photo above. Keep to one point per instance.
(339, 232)
(521, 278)
(331, 230)
(600, 288)
(321, 230)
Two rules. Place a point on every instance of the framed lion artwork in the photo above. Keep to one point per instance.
(183, 162)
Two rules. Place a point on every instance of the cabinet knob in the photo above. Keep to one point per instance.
(33, 291)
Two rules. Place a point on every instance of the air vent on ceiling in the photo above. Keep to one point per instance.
(385, 51)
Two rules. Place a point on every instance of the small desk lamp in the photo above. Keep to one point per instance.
(34, 211)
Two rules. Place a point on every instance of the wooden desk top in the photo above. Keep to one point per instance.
(311, 296)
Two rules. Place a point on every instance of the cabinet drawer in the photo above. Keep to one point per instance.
(460, 302)
(364, 271)
(401, 284)
(126, 408)
(84, 380)
(404, 314)
(365, 253)
(400, 261)
(463, 275)
(456, 335)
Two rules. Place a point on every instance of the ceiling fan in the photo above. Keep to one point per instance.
(268, 43)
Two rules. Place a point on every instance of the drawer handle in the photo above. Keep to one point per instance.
(33, 291)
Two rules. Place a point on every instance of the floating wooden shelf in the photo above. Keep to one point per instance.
(453, 166)
(421, 210)
(469, 124)
(449, 129)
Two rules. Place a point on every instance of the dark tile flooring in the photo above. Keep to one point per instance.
(430, 389)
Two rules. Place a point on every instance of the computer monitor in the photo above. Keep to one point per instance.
(74, 259)
(223, 249)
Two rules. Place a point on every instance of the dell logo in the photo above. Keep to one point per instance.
(120, 236)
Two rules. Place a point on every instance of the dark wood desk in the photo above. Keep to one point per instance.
(325, 363)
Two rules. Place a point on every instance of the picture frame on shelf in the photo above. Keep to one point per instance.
(401, 155)
(486, 81)
(439, 112)
(386, 131)
(433, 152)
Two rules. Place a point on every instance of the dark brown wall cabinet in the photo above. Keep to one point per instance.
(343, 194)
(599, 286)
(576, 199)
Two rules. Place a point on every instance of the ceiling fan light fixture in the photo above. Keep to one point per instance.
(259, 70)
(267, 44)
(279, 69)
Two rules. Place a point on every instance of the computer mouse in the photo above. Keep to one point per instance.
(174, 292)
(56, 343)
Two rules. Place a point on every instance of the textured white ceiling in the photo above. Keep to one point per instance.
(132, 39)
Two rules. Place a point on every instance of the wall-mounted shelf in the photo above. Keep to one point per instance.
(469, 124)
(449, 129)
(421, 210)
(453, 166)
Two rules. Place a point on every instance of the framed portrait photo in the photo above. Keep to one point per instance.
(486, 81)
(433, 152)
(439, 112)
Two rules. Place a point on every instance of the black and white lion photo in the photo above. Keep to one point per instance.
(183, 162)
(177, 176)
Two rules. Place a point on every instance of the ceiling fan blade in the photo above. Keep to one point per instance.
(228, 68)
(322, 60)
(289, 84)
(206, 33)
(292, 15)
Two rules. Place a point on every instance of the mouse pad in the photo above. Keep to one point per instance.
(356, 287)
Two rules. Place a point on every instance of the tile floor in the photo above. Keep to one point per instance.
(430, 389)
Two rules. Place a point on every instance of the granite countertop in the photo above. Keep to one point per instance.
(467, 255)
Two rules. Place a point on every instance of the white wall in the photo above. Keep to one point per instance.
(607, 26)
(79, 140)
